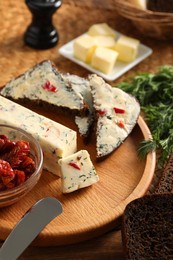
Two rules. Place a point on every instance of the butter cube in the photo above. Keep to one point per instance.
(105, 41)
(84, 47)
(101, 29)
(104, 59)
(127, 48)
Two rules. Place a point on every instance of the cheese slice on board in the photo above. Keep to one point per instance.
(77, 171)
(82, 86)
(117, 113)
(43, 84)
(56, 140)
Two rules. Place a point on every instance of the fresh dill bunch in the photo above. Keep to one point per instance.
(155, 95)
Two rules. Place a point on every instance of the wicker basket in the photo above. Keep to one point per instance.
(157, 25)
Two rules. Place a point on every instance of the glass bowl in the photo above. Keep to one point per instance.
(12, 195)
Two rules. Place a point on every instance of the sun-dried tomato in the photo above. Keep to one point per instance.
(17, 153)
(5, 169)
(5, 144)
(2, 186)
(10, 185)
(28, 165)
(6, 172)
(16, 163)
(19, 177)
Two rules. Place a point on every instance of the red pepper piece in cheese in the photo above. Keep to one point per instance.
(49, 87)
(119, 110)
(74, 165)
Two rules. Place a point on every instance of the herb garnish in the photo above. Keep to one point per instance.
(155, 95)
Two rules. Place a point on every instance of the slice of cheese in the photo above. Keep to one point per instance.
(117, 114)
(101, 29)
(104, 59)
(77, 171)
(127, 48)
(83, 124)
(81, 85)
(43, 83)
(56, 140)
(84, 47)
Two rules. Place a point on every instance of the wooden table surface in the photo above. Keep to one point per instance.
(72, 19)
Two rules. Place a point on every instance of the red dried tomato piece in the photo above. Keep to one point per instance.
(28, 165)
(16, 163)
(5, 169)
(10, 185)
(6, 172)
(5, 144)
(19, 177)
(15, 156)
(22, 147)
(2, 186)
(3, 137)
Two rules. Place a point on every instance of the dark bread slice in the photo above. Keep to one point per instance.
(147, 228)
(160, 5)
(165, 184)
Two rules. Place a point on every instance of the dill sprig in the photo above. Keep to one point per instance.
(155, 95)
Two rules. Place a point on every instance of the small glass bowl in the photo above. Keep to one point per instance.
(12, 195)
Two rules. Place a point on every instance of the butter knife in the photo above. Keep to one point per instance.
(30, 225)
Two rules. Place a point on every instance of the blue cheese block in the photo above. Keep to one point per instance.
(43, 83)
(56, 140)
(117, 113)
(77, 171)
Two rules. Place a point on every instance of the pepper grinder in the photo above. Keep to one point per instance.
(41, 34)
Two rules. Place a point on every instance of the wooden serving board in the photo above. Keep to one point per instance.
(94, 210)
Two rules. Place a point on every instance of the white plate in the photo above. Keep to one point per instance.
(120, 67)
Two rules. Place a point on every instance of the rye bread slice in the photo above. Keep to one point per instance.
(44, 85)
(165, 184)
(147, 228)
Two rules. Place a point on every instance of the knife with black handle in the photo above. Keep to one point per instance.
(30, 225)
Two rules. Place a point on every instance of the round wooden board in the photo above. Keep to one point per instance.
(94, 210)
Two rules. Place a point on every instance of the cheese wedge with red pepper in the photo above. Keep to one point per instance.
(116, 114)
(56, 140)
(44, 85)
(77, 171)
